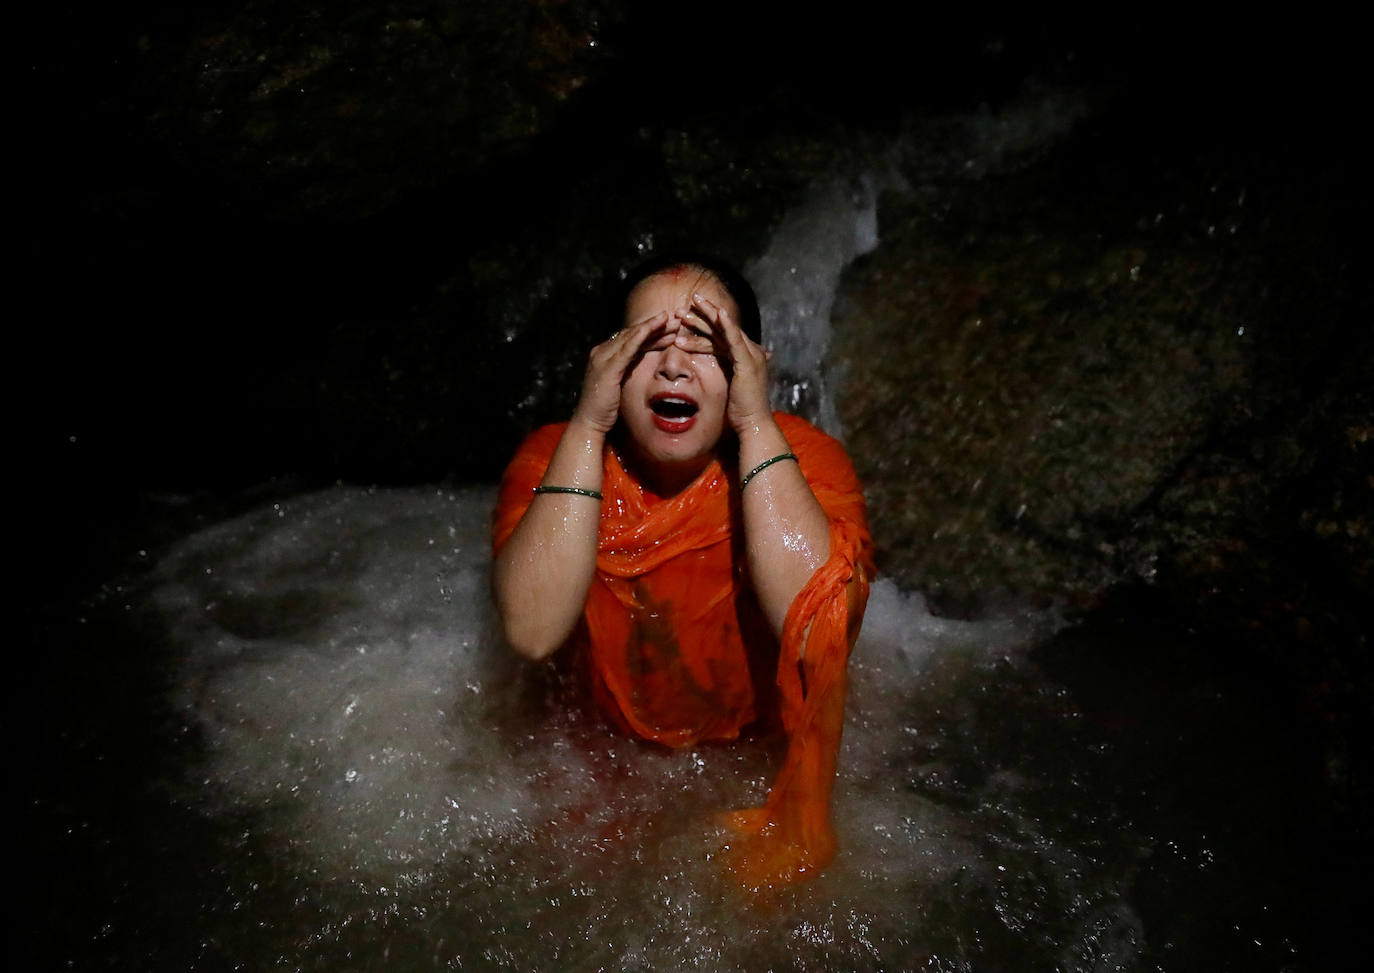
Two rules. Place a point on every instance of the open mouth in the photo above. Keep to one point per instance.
(673, 412)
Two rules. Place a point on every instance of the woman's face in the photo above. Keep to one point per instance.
(673, 400)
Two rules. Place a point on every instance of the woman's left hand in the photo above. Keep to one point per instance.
(745, 361)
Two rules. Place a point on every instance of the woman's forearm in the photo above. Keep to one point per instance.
(543, 572)
(787, 533)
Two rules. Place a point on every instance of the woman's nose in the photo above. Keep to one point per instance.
(674, 363)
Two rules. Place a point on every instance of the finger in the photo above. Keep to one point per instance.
(631, 338)
(695, 342)
(721, 320)
(737, 343)
(682, 330)
(615, 353)
(709, 314)
(640, 339)
(695, 333)
(660, 316)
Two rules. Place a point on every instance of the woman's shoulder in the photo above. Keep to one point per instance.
(523, 473)
(533, 456)
(822, 458)
(541, 442)
(802, 436)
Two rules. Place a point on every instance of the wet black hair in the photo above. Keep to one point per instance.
(731, 279)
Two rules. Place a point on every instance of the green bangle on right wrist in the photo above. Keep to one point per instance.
(744, 480)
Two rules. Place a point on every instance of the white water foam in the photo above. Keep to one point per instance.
(437, 805)
(796, 279)
(340, 661)
(340, 664)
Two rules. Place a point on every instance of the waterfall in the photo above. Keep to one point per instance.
(797, 277)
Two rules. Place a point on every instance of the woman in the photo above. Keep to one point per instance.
(693, 547)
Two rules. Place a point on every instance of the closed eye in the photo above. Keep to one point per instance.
(696, 325)
(698, 342)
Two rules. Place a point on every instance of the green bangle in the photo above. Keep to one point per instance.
(744, 482)
(577, 490)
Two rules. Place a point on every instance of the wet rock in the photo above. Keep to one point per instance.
(1101, 367)
(303, 107)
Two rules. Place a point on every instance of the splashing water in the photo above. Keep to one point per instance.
(413, 797)
(427, 796)
(796, 279)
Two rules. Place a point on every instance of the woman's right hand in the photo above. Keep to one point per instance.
(599, 404)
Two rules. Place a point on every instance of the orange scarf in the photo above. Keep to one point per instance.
(673, 637)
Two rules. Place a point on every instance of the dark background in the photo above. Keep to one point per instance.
(265, 247)
(281, 238)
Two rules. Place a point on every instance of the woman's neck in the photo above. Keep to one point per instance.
(663, 480)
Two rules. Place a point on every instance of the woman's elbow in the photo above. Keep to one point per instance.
(520, 627)
(534, 620)
(528, 631)
(527, 637)
(532, 650)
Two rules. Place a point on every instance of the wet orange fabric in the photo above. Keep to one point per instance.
(671, 627)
